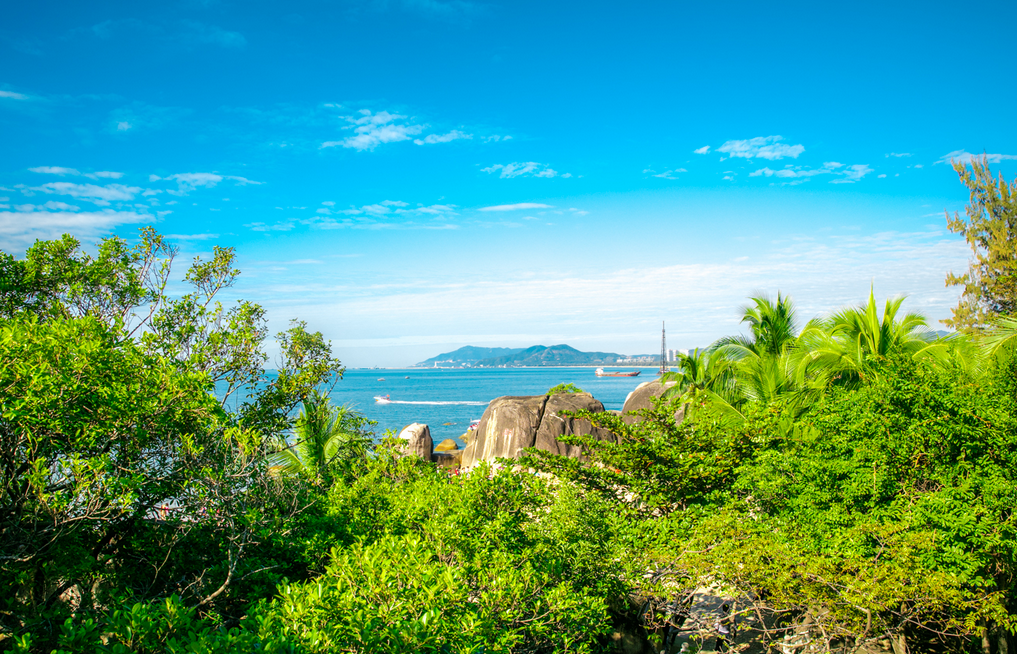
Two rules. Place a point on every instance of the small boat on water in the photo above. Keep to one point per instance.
(381, 379)
(600, 373)
(382, 399)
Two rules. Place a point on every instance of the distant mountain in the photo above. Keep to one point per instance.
(555, 355)
(538, 355)
(468, 355)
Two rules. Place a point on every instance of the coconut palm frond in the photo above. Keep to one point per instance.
(1003, 331)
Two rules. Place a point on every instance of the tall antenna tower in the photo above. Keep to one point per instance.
(663, 351)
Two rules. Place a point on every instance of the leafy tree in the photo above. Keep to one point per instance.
(990, 228)
(123, 476)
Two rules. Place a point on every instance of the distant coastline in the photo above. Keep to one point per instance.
(536, 356)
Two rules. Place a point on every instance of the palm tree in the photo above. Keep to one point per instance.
(324, 435)
(762, 367)
(847, 344)
(773, 326)
(767, 363)
(707, 374)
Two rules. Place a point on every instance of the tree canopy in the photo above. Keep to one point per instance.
(990, 228)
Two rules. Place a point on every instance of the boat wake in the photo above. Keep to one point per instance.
(437, 403)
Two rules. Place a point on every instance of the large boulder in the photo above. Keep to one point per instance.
(641, 398)
(511, 424)
(554, 424)
(418, 440)
(508, 425)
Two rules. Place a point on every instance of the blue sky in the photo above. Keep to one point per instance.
(411, 176)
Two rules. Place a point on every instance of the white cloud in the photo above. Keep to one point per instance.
(60, 206)
(967, 157)
(61, 171)
(328, 203)
(524, 169)
(761, 147)
(852, 174)
(517, 206)
(187, 182)
(388, 214)
(848, 174)
(100, 195)
(242, 181)
(667, 174)
(11, 95)
(191, 237)
(881, 176)
(21, 229)
(822, 274)
(371, 130)
(54, 170)
(702, 150)
(123, 126)
(284, 226)
(898, 154)
(442, 138)
(495, 138)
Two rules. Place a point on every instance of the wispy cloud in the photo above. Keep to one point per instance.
(191, 237)
(187, 182)
(20, 229)
(136, 116)
(761, 147)
(517, 206)
(898, 154)
(967, 157)
(454, 135)
(524, 169)
(100, 195)
(61, 171)
(185, 33)
(388, 214)
(201, 33)
(373, 129)
(11, 95)
(822, 274)
(798, 174)
(702, 150)
(667, 174)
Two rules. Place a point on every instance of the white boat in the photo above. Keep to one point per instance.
(382, 399)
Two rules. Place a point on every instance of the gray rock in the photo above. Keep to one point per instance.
(511, 424)
(554, 424)
(418, 440)
(508, 425)
(640, 398)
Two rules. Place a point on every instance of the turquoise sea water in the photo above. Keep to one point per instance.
(447, 399)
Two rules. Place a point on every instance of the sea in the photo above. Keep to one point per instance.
(447, 399)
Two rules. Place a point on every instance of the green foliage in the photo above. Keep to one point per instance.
(990, 228)
(124, 478)
(325, 436)
(852, 481)
(564, 388)
(885, 509)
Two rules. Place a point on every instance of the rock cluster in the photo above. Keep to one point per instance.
(511, 424)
